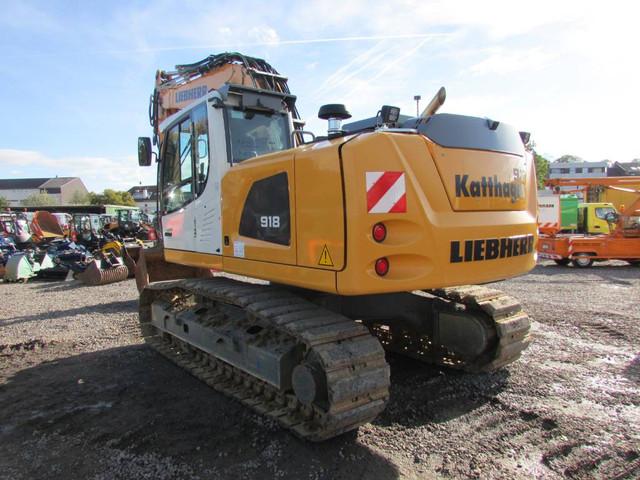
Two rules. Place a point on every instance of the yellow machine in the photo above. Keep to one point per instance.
(366, 236)
(592, 217)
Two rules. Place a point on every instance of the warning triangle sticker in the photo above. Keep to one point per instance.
(325, 258)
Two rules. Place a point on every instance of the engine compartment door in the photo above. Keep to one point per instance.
(482, 162)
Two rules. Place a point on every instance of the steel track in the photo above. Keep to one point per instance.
(504, 316)
(503, 320)
(351, 360)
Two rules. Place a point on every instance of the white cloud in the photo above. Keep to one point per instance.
(264, 35)
(97, 173)
(503, 62)
(498, 18)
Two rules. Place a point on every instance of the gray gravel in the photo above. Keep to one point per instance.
(82, 397)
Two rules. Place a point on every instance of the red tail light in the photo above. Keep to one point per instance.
(382, 266)
(379, 232)
(152, 234)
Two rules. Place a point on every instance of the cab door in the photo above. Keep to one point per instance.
(598, 214)
(210, 160)
(177, 193)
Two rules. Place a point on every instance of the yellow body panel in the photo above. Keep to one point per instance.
(235, 187)
(311, 278)
(193, 259)
(621, 199)
(319, 206)
(419, 243)
(497, 182)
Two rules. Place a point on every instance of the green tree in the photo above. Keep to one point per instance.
(568, 159)
(95, 198)
(4, 203)
(38, 200)
(541, 164)
(79, 198)
(542, 169)
(111, 197)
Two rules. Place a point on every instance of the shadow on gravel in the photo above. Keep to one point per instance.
(105, 308)
(632, 371)
(423, 394)
(60, 286)
(127, 413)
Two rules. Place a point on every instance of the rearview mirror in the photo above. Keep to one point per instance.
(144, 151)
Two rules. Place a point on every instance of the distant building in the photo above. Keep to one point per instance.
(146, 197)
(578, 169)
(623, 169)
(61, 189)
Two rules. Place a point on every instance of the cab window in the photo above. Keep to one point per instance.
(601, 212)
(201, 146)
(177, 165)
(255, 133)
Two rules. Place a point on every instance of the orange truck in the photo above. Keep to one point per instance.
(583, 249)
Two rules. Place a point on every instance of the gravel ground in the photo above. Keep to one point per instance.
(82, 397)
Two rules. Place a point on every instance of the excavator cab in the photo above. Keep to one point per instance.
(7, 224)
(87, 228)
(199, 144)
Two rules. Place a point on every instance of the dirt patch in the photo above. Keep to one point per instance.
(82, 397)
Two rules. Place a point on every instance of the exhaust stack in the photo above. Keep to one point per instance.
(436, 102)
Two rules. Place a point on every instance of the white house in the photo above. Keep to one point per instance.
(146, 197)
(578, 169)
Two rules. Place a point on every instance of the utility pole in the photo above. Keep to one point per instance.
(417, 98)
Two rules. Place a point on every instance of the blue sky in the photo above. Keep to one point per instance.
(77, 75)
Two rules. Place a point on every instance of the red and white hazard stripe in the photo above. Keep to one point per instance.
(549, 225)
(386, 192)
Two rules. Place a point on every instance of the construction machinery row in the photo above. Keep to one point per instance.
(584, 233)
(329, 250)
(93, 248)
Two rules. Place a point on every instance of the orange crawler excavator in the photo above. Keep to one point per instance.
(331, 249)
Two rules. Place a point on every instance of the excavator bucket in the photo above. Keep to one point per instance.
(20, 268)
(45, 225)
(94, 275)
(130, 256)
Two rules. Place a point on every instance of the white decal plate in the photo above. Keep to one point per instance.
(238, 249)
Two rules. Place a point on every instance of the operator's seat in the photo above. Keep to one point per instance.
(245, 148)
